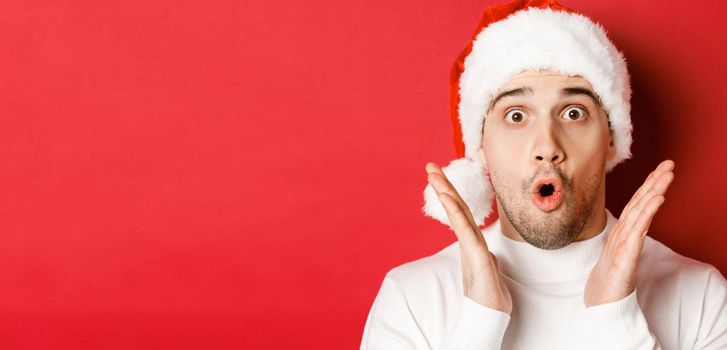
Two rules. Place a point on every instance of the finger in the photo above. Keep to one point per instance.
(630, 213)
(666, 165)
(643, 223)
(661, 184)
(437, 183)
(467, 235)
(441, 184)
(649, 182)
(433, 171)
(431, 167)
(438, 180)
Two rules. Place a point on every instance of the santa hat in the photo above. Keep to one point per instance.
(513, 37)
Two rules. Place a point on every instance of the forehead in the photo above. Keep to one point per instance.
(545, 79)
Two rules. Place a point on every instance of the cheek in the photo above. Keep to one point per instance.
(505, 163)
(504, 149)
(584, 153)
(503, 185)
(588, 146)
(587, 153)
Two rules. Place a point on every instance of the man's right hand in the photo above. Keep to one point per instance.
(481, 276)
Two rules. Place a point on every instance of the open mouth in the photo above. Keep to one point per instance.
(546, 190)
(547, 194)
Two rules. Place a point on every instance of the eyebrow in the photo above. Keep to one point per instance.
(519, 92)
(572, 91)
(527, 91)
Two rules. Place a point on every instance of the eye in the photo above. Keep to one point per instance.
(574, 113)
(515, 116)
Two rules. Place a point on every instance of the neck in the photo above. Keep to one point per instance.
(540, 268)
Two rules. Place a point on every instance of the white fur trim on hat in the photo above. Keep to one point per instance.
(471, 182)
(540, 39)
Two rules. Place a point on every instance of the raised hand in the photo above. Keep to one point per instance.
(481, 276)
(614, 275)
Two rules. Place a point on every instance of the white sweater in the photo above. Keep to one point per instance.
(679, 303)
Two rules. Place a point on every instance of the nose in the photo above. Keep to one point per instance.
(547, 147)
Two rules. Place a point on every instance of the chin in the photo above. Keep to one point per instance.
(546, 230)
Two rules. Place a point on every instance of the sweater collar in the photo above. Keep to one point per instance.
(522, 261)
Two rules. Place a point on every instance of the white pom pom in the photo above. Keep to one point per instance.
(471, 182)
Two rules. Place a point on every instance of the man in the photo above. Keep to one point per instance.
(542, 100)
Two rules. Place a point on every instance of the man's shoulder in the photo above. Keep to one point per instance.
(661, 262)
(440, 268)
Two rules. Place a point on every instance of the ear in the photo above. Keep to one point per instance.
(611, 153)
(481, 154)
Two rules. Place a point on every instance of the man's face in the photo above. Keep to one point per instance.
(546, 147)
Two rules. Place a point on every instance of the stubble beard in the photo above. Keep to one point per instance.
(551, 230)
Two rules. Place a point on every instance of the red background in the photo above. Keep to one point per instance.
(219, 174)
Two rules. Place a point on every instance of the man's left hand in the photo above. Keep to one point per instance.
(614, 275)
